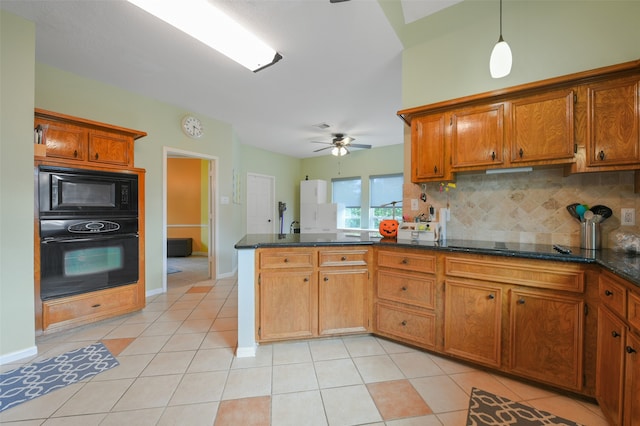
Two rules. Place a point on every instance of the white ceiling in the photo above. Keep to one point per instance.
(341, 65)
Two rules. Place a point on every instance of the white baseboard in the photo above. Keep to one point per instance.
(228, 274)
(18, 355)
(154, 292)
(246, 351)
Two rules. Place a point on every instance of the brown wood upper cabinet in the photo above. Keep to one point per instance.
(78, 140)
(542, 128)
(587, 122)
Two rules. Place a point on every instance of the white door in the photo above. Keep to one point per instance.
(261, 208)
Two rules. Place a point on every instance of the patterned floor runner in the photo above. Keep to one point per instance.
(37, 379)
(487, 409)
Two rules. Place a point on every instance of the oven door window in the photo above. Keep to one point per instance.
(80, 265)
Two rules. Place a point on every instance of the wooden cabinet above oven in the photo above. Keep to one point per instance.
(81, 141)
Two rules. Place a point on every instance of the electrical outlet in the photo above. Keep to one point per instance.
(414, 204)
(628, 217)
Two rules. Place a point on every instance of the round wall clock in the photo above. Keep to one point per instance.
(192, 126)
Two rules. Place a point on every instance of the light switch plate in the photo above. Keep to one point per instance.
(414, 204)
(628, 217)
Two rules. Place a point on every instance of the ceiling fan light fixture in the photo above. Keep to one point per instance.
(339, 151)
(501, 58)
(204, 22)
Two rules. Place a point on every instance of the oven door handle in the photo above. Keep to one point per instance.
(84, 240)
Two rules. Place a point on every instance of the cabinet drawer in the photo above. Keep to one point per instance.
(407, 261)
(413, 289)
(565, 277)
(271, 259)
(612, 294)
(633, 311)
(343, 258)
(407, 324)
(89, 305)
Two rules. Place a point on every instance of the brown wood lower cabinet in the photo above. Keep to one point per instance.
(473, 321)
(311, 292)
(618, 351)
(547, 333)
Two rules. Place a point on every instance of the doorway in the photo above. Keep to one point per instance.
(207, 224)
(261, 206)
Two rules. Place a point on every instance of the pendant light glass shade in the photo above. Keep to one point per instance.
(339, 151)
(501, 59)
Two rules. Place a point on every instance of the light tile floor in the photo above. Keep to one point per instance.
(177, 367)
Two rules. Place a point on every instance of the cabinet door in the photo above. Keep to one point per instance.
(477, 136)
(547, 333)
(613, 129)
(287, 305)
(64, 140)
(610, 365)
(632, 384)
(542, 127)
(342, 305)
(472, 321)
(428, 149)
(110, 149)
(313, 191)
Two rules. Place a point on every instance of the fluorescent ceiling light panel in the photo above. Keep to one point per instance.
(202, 21)
(512, 170)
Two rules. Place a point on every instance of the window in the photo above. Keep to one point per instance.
(384, 190)
(348, 193)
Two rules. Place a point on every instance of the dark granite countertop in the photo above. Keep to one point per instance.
(625, 265)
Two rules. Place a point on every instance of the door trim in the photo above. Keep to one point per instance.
(213, 190)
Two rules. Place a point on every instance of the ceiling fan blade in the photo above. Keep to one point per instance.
(358, 145)
(337, 1)
(326, 143)
(322, 149)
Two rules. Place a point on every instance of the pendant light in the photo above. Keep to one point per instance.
(500, 62)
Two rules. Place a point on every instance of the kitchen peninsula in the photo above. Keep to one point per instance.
(523, 309)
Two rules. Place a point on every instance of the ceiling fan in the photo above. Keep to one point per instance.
(340, 145)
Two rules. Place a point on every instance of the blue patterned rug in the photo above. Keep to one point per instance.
(40, 378)
(487, 409)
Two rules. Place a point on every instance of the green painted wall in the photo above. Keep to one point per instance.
(17, 50)
(447, 54)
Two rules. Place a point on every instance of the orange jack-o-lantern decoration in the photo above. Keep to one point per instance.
(389, 228)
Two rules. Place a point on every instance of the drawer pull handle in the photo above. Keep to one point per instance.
(404, 288)
(403, 323)
(521, 152)
(493, 156)
(96, 155)
(615, 334)
(326, 279)
(491, 296)
(75, 154)
(97, 305)
(405, 261)
(630, 350)
(608, 293)
(601, 155)
(343, 258)
(520, 301)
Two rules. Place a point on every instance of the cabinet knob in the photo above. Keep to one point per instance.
(96, 155)
(601, 155)
(491, 296)
(405, 261)
(343, 258)
(615, 334)
(608, 293)
(521, 152)
(326, 279)
(493, 156)
(403, 323)
(404, 288)
(630, 350)
(306, 279)
(435, 169)
(521, 301)
(75, 154)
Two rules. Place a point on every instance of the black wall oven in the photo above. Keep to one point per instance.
(88, 230)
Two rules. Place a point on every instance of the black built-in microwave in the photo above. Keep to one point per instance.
(68, 192)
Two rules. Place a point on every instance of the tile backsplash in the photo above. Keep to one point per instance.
(526, 207)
